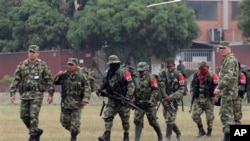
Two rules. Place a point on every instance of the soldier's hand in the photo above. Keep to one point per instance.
(84, 103)
(167, 98)
(50, 99)
(98, 92)
(59, 73)
(12, 99)
(216, 91)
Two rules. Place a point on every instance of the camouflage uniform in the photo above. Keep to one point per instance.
(75, 89)
(202, 86)
(175, 87)
(228, 85)
(146, 99)
(32, 80)
(181, 67)
(118, 80)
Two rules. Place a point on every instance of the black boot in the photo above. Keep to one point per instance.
(32, 138)
(201, 131)
(74, 136)
(226, 137)
(138, 130)
(105, 136)
(169, 132)
(38, 134)
(158, 132)
(209, 132)
(177, 132)
(125, 136)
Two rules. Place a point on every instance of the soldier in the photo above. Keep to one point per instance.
(147, 100)
(202, 86)
(227, 88)
(32, 76)
(181, 67)
(175, 88)
(117, 80)
(75, 95)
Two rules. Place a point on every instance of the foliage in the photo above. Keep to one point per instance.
(244, 19)
(7, 79)
(129, 28)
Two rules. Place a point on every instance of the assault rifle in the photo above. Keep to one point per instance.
(120, 98)
(145, 104)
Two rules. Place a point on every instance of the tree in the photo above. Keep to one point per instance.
(129, 28)
(35, 22)
(244, 19)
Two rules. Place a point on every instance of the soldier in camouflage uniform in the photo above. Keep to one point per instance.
(147, 100)
(227, 88)
(202, 86)
(175, 88)
(75, 95)
(32, 76)
(117, 80)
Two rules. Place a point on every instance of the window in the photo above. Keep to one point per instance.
(235, 10)
(204, 10)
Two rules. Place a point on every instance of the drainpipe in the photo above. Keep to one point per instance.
(225, 14)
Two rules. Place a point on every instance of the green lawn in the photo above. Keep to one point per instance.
(12, 128)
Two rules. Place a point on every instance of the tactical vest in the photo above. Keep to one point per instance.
(145, 88)
(207, 88)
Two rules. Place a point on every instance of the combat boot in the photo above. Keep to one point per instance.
(169, 132)
(32, 138)
(39, 133)
(209, 132)
(158, 132)
(201, 131)
(105, 136)
(138, 130)
(125, 136)
(226, 137)
(74, 136)
(177, 132)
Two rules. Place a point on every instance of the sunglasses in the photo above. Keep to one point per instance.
(70, 64)
(222, 48)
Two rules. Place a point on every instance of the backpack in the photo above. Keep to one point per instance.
(134, 75)
(89, 77)
(246, 70)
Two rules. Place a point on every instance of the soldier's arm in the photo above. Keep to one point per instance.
(154, 88)
(87, 90)
(48, 79)
(181, 88)
(131, 85)
(16, 81)
(228, 78)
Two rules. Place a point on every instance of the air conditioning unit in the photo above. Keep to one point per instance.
(215, 35)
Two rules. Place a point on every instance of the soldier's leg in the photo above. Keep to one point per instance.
(209, 111)
(124, 113)
(152, 119)
(138, 121)
(170, 116)
(65, 118)
(75, 123)
(25, 112)
(226, 115)
(237, 109)
(196, 116)
(35, 107)
(109, 114)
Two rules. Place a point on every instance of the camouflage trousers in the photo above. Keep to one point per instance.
(112, 108)
(169, 114)
(228, 114)
(71, 119)
(151, 116)
(237, 110)
(29, 112)
(202, 104)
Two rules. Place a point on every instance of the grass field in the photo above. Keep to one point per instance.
(12, 128)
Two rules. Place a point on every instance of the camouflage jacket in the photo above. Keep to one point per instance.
(175, 83)
(148, 88)
(120, 82)
(228, 74)
(32, 78)
(73, 87)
